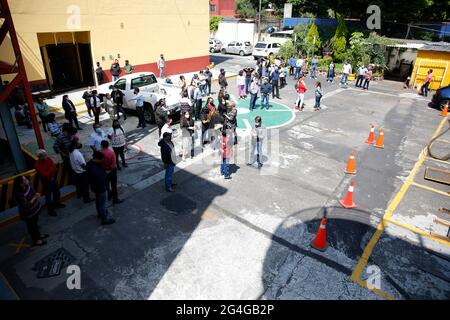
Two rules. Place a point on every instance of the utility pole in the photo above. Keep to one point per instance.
(259, 21)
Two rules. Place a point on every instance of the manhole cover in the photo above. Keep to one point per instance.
(179, 204)
(51, 265)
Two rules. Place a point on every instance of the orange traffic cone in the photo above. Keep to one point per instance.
(371, 138)
(348, 200)
(444, 112)
(351, 166)
(380, 140)
(320, 241)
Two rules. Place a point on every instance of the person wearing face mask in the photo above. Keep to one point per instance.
(117, 96)
(78, 165)
(29, 206)
(116, 136)
(168, 157)
(96, 138)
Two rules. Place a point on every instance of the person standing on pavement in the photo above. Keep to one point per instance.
(209, 76)
(301, 90)
(161, 114)
(128, 68)
(43, 111)
(187, 133)
(298, 67)
(110, 107)
(226, 151)
(168, 157)
(110, 165)
(248, 79)
(46, 169)
(100, 74)
(87, 95)
(116, 136)
(27, 200)
(62, 145)
(314, 64)
(240, 81)
(426, 84)
(197, 102)
(292, 65)
(96, 106)
(330, 73)
(221, 101)
(283, 75)
(70, 112)
(254, 90)
(98, 179)
(206, 119)
(167, 127)
(318, 96)
(115, 70)
(266, 89)
(53, 126)
(117, 96)
(223, 83)
(96, 138)
(257, 136)
(275, 76)
(161, 65)
(347, 69)
(139, 98)
(367, 79)
(361, 76)
(78, 165)
(202, 83)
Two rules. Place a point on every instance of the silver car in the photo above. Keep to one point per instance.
(241, 48)
(215, 45)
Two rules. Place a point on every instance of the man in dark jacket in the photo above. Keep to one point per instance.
(275, 86)
(168, 157)
(70, 112)
(223, 80)
(97, 179)
(248, 78)
(115, 70)
(117, 96)
(87, 95)
(266, 89)
(209, 76)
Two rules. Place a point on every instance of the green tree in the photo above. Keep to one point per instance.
(214, 23)
(340, 38)
(313, 32)
(302, 43)
(246, 9)
(287, 50)
(359, 51)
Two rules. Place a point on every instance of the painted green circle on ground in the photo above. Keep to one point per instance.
(278, 114)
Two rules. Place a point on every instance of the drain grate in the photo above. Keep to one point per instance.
(437, 175)
(51, 265)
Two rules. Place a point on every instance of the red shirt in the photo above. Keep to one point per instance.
(45, 168)
(227, 148)
(301, 87)
(109, 162)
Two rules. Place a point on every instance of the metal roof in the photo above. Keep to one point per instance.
(437, 46)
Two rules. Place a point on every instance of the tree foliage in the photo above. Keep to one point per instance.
(287, 50)
(246, 9)
(313, 32)
(340, 38)
(214, 23)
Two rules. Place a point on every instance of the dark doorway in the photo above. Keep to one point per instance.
(70, 66)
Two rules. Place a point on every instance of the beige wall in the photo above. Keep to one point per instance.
(177, 28)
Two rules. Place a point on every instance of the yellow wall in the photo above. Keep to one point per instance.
(138, 30)
(438, 61)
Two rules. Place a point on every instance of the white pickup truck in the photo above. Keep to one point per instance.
(150, 88)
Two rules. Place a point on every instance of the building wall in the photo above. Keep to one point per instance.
(438, 61)
(138, 30)
(225, 8)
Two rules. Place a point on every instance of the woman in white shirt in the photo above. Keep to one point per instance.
(116, 136)
(110, 106)
(241, 85)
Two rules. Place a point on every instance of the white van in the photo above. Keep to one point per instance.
(263, 49)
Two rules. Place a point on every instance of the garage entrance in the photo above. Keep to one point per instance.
(67, 60)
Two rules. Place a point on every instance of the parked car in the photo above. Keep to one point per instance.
(263, 49)
(271, 29)
(215, 45)
(241, 48)
(281, 36)
(441, 96)
(152, 91)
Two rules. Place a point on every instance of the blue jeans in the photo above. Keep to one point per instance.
(330, 76)
(247, 84)
(265, 101)
(313, 71)
(255, 146)
(253, 98)
(100, 204)
(224, 168)
(169, 175)
(317, 105)
(297, 72)
(161, 72)
(344, 78)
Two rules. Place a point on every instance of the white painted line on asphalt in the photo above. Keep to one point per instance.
(247, 124)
